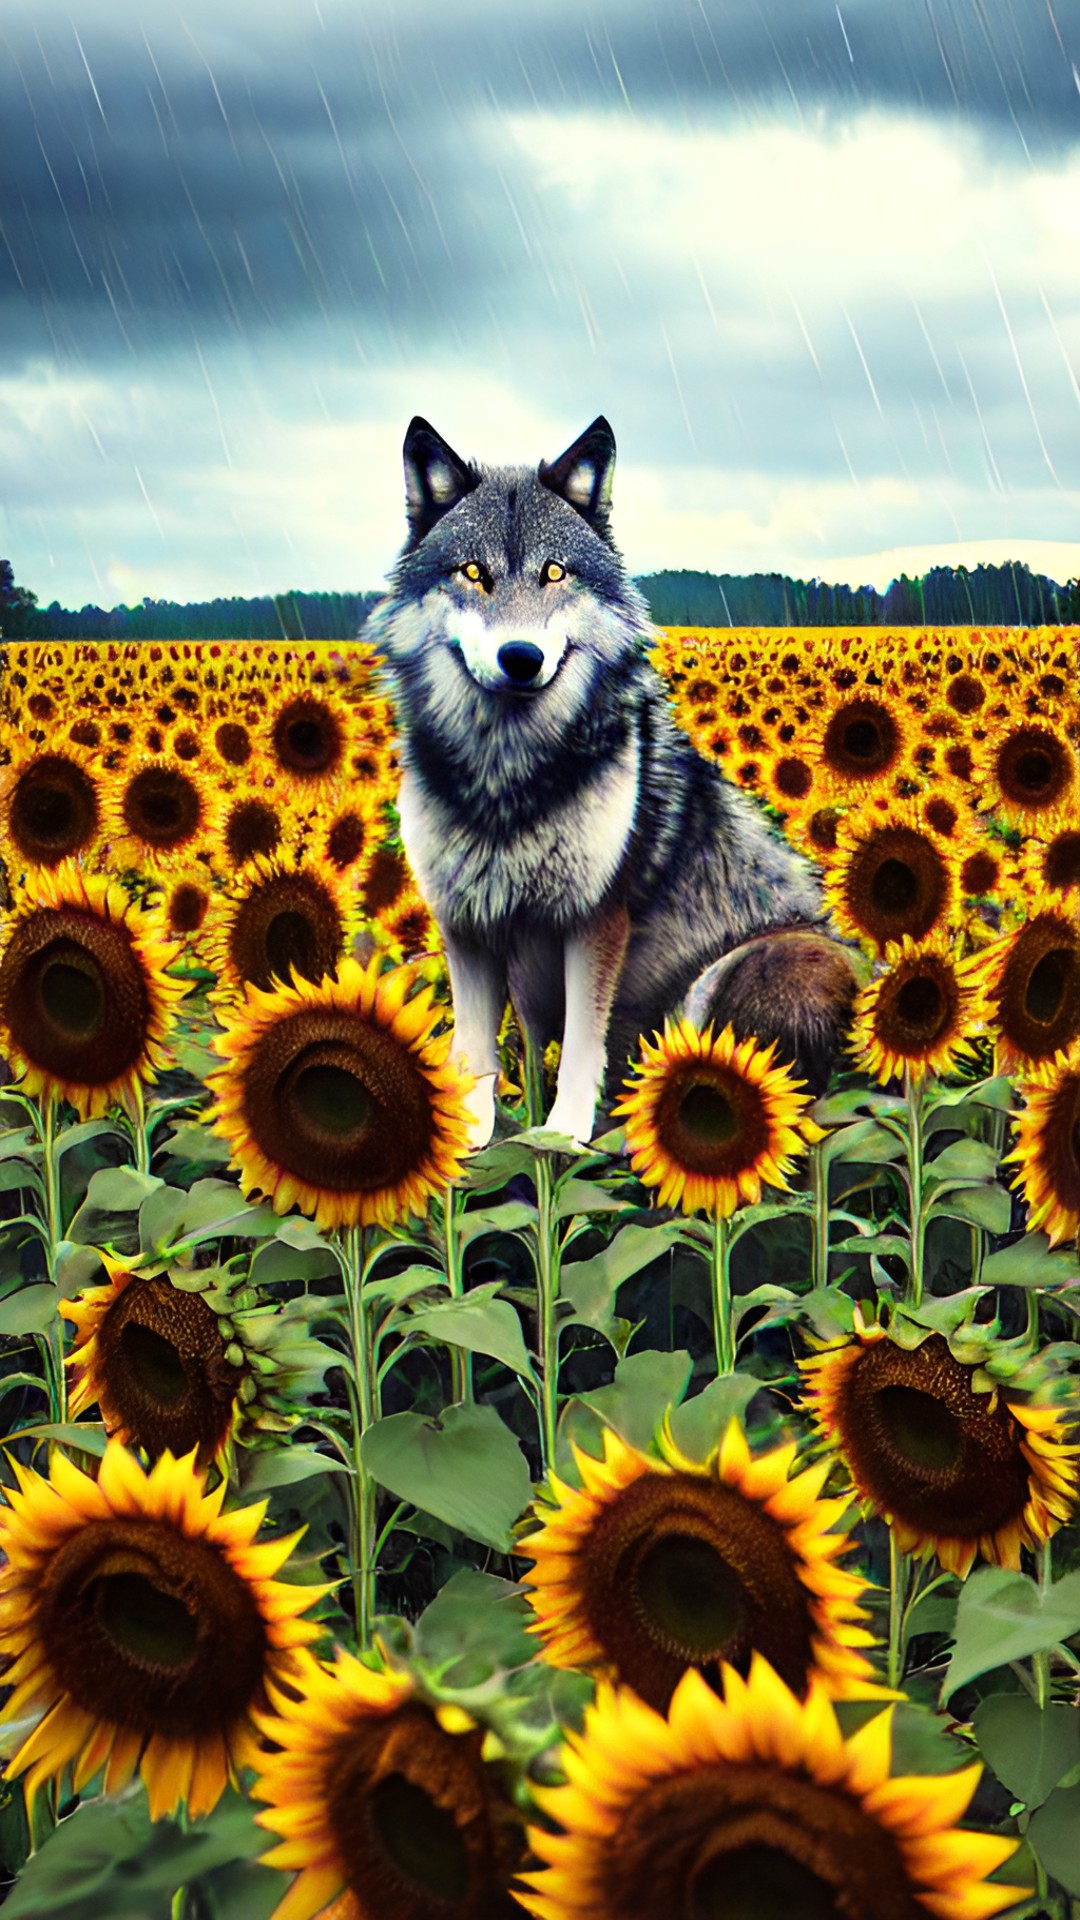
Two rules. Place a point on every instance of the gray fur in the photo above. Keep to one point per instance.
(542, 815)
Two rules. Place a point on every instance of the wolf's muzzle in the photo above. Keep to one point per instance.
(521, 661)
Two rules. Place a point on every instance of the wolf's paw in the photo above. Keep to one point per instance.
(480, 1106)
(570, 1117)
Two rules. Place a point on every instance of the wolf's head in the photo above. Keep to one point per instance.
(511, 575)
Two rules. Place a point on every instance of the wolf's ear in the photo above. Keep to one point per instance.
(582, 476)
(436, 478)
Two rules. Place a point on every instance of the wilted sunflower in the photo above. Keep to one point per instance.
(51, 807)
(921, 1014)
(278, 921)
(153, 1358)
(890, 877)
(657, 1565)
(708, 1120)
(955, 1471)
(145, 1624)
(382, 1793)
(336, 1099)
(1033, 989)
(1047, 1152)
(753, 1804)
(85, 1001)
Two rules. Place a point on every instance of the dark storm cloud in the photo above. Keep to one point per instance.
(238, 166)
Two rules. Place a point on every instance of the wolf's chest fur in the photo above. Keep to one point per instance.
(556, 871)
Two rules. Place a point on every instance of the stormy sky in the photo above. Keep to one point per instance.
(818, 263)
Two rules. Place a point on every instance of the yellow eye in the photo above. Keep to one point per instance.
(472, 572)
(550, 572)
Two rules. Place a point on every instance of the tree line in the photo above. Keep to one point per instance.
(991, 596)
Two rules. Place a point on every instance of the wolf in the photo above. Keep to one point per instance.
(578, 854)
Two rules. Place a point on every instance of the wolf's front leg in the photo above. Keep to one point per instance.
(593, 964)
(478, 991)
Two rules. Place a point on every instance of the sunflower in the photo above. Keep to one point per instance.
(708, 1120)
(1050, 859)
(1033, 989)
(85, 1001)
(345, 837)
(1047, 1152)
(254, 824)
(955, 1470)
(51, 807)
(753, 1804)
(159, 812)
(863, 739)
(154, 1359)
(335, 1098)
(660, 1564)
(890, 877)
(308, 737)
(1031, 772)
(277, 921)
(145, 1624)
(188, 901)
(382, 1793)
(921, 1014)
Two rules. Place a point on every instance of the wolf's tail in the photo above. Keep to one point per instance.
(792, 984)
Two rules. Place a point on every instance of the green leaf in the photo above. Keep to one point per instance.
(108, 1860)
(849, 1100)
(476, 1614)
(216, 1210)
(108, 1216)
(634, 1403)
(482, 1325)
(87, 1435)
(864, 1140)
(198, 1145)
(159, 1218)
(988, 1207)
(284, 1465)
(881, 1244)
(296, 1231)
(699, 1424)
(397, 1287)
(1004, 1616)
(87, 1130)
(1054, 1834)
(464, 1466)
(31, 1310)
(1029, 1262)
(591, 1285)
(508, 1216)
(15, 1145)
(1029, 1748)
(964, 1160)
(583, 1196)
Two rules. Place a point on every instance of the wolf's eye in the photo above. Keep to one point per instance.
(550, 572)
(473, 572)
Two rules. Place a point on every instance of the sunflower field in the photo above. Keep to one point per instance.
(686, 1527)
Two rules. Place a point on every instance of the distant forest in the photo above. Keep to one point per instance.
(998, 596)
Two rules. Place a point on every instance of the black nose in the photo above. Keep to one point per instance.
(520, 661)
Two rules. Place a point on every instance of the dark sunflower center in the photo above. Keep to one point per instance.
(420, 1838)
(233, 743)
(1034, 767)
(708, 1115)
(162, 806)
(710, 1576)
(73, 993)
(923, 1430)
(920, 1003)
(1061, 863)
(253, 826)
(187, 907)
(291, 941)
(895, 887)
(155, 1628)
(1046, 984)
(760, 1883)
(75, 996)
(862, 740)
(345, 840)
(149, 1628)
(289, 922)
(1033, 770)
(307, 737)
(333, 1098)
(54, 810)
(156, 1361)
(338, 1102)
(692, 1597)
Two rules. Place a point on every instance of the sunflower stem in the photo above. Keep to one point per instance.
(819, 1186)
(461, 1376)
(1040, 1665)
(913, 1090)
(364, 1400)
(547, 1288)
(52, 1343)
(140, 1134)
(899, 1578)
(723, 1328)
(533, 1059)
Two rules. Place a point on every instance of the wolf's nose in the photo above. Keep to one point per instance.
(520, 661)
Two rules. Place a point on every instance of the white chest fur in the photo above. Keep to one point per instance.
(558, 868)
